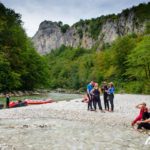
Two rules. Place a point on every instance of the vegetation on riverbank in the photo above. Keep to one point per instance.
(126, 61)
(21, 67)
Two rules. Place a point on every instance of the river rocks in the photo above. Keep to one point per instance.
(68, 125)
(21, 93)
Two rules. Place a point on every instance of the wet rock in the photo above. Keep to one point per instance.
(25, 126)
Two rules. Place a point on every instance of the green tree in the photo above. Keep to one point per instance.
(8, 79)
(36, 72)
(21, 66)
(121, 48)
(139, 60)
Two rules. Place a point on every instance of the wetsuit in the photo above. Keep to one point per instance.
(89, 88)
(111, 97)
(146, 115)
(105, 94)
(96, 98)
(144, 125)
(7, 101)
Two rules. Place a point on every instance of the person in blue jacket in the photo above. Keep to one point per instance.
(111, 91)
(89, 89)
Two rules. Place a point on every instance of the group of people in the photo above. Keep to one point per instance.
(93, 99)
(143, 119)
(93, 94)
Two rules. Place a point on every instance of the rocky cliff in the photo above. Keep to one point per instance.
(91, 33)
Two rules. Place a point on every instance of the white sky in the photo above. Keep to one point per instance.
(68, 11)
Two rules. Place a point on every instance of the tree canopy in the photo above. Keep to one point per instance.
(126, 62)
(21, 67)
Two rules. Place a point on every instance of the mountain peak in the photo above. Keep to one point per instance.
(47, 24)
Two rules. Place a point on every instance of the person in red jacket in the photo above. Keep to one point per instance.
(143, 109)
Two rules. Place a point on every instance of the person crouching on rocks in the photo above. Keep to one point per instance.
(95, 92)
(142, 115)
(145, 123)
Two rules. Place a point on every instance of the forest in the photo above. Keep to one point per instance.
(126, 62)
(21, 67)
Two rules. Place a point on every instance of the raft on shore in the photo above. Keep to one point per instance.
(35, 102)
(26, 102)
(13, 104)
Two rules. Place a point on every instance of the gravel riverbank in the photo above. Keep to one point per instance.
(67, 125)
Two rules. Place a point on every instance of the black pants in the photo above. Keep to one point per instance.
(97, 100)
(144, 125)
(7, 103)
(90, 102)
(111, 99)
(106, 104)
(145, 116)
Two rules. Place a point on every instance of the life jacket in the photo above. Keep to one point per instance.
(96, 92)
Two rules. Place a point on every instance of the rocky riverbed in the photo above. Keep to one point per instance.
(67, 125)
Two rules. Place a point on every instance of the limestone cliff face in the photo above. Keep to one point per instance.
(113, 29)
(49, 35)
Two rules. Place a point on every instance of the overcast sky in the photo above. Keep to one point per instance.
(68, 11)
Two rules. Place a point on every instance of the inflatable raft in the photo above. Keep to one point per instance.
(17, 104)
(34, 102)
